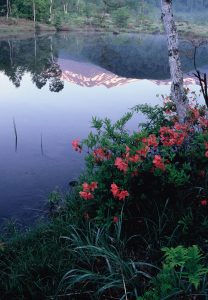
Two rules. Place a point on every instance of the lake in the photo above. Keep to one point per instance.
(51, 86)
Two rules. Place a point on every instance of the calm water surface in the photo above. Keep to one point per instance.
(50, 89)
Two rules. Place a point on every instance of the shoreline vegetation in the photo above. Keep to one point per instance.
(13, 27)
(134, 226)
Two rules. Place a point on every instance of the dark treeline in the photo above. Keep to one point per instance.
(130, 56)
(36, 56)
(55, 11)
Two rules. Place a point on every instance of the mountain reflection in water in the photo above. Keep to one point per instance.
(92, 60)
(88, 75)
(45, 102)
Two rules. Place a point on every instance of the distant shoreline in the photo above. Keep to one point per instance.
(21, 28)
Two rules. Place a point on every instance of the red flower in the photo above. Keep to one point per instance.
(122, 195)
(135, 158)
(87, 189)
(121, 164)
(115, 219)
(101, 154)
(86, 195)
(170, 137)
(181, 127)
(117, 193)
(158, 163)
(114, 189)
(204, 202)
(151, 141)
(93, 186)
(76, 146)
(143, 152)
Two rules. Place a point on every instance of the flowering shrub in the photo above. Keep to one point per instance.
(87, 190)
(161, 160)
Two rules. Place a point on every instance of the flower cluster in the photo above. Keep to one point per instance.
(117, 193)
(164, 155)
(123, 163)
(76, 145)
(101, 154)
(173, 136)
(87, 190)
(151, 140)
(158, 162)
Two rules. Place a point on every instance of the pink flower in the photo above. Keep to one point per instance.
(151, 141)
(86, 195)
(122, 195)
(158, 163)
(76, 145)
(204, 202)
(114, 189)
(89, 187)
(115, 219)
(93, 186)
(100, 154)
(170, 137)
(143, 152)
(121, 164)
(117, 193)
(135, 158)
(86, 187)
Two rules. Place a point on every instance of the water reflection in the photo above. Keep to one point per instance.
(92, 60)
(45, 102)
(86, 74)
(36, 56)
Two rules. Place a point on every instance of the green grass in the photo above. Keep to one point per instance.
(33, 262)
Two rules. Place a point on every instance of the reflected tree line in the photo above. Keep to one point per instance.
(129, 56)
(36, 56)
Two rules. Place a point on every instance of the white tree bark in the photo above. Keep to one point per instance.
(34, 14)
(50, 11)
(7, 15)
(177, 89)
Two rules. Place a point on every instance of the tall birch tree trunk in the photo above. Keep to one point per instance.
(50, 11)
(7, 15)
(177, 89)
(34, 14)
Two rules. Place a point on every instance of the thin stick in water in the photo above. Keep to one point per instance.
(15, 133)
